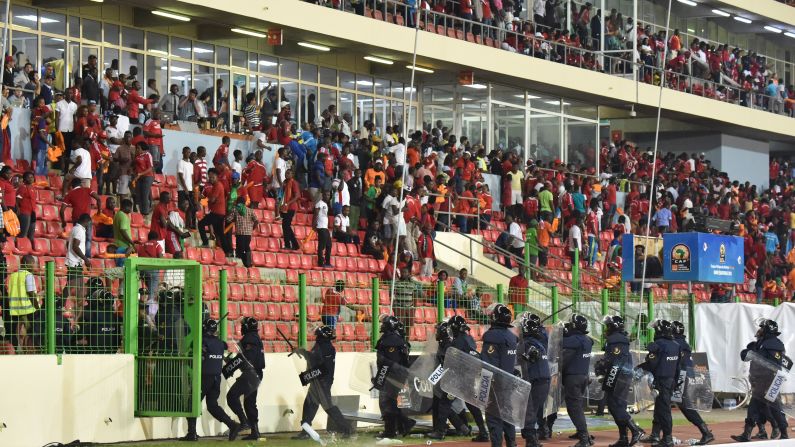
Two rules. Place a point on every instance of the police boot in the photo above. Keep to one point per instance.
(435, 435)
(655, 434)
(483, 436)
(637, 433)
(234, 430)
(706, 435)
(762, 433)
(775, 433)
(623, 441)
(746, 434)
(584, 440)
(253, 436)
(302, 435)
(190, 437)
(389, 428)
(784, 433)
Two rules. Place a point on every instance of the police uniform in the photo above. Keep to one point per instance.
(770, 347)
(392, 350)
(576, 350)
(684, 406)
(616, 367)
(247, 384)
(663, 362)
(102, 329)
(464, 342)
(535, 369)
(442, 409)
(212, 363)
(323, 357)
(499, 349)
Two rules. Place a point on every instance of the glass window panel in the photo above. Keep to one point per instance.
(132, 38)
(579, 109)
(157, 69)
(346, 103)
(364, 83)
(474, 117)
(347, 80)
(52, 54)
(222, 55)
(289, 68)
(364, 109)
(132, 63)
(326, 98)
(203, 78)
(221, 89)
(544, 102)
(239, 58)
(26, 47)
(328, 76)
(412, 119)
(397, 90)
(442, 93)
(473, 94)
(381, 87)
(157, 43)
(22, 16)
(309, 105)
(180, 74)
(111, 34)
(204, 52)
(507, 94)
(92, 30)
(238, 91)
(252, 85)
(52, 22)
(109, 55)
(309, 72)
(252, 62)
(74, 26)
(268, 65)
(289, 92)
(437, 117)
(85, 52)
(544, 136)
(268, 96)
(396, 120)
(380, 113)
(74, 61)
(580, 137)
(181, 47)
(508, 125)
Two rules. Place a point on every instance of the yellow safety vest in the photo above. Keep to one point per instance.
(18, 300)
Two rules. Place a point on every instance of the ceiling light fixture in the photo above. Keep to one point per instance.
(789, 34)
(688, 2)
(378, 60)
(721, 13)
(249, 33)
(33, 18)
(314, 46)
(418, 68)
(773, 29)
(742, 19)
(164, 53)
(170, 15)
(476, 86)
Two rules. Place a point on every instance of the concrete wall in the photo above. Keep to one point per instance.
(91, 398)
(745, 159)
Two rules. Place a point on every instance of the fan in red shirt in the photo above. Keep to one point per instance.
(25, 203)
(79, 198)
(222, 153)
(151, 248)
(160, 216)
(332, 300)
(517, 291)
(8, 190)
(254, 179)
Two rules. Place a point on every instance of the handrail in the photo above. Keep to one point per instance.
(583, 58)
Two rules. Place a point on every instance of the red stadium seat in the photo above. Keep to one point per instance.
(314, 278)
(273, 312)
(234, 311)
(290, 294)
(235, 292)
(247, 309)
(294, 261)
(264, 293)
(258, 258)
(289, 312)
(360, 332)
(313, 312)
(345, 332)
(260, 311)
(250, 292)
(292, 276)
(268, 331)
(49, 213)
(214, 310)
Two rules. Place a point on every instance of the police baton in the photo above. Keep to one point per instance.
(555, 313)
(292, 348)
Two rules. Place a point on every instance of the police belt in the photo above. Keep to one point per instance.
(311, 375)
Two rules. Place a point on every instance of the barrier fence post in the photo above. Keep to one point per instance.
(49, 305)
(605, 307)
(775, 302)
(622, 297)
(650, 312)
(691, 318)
(223, 304)
(500, 294)
(376, 313)
(575, 278)
(302, 310)
(555, 304)
(527, 253)
(439, 301)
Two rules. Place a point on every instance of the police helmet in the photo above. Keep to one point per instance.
(769, 327)
(400, 328)
(442, 331)
(579, 323)
(209, 326)
(325, 333)
(248, 325)
(339, 285)
(389, 323)
(613, 323)
(95, 283)
(531, 327)
(500, 314)
(679, 327)
(458, 324)
(534, 317)
(164, 295)
(663, 327)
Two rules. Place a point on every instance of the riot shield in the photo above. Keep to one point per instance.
(643, 392)
(313, 375)
(487, 387)
(698, 388)
(594, 392)
(366, 376)
(771, 383)
(555, 380)
(424, 366)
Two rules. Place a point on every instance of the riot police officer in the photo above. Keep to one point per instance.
(322, 358)
(101, 326)
(616, 367)
(392, 351)
(575, 358)
(663, 362)
(535, 369)
(442, 401)
(212, 362)
(687, 362)
(464, 342)
(247, 384)
(499, 350)
(770, 347)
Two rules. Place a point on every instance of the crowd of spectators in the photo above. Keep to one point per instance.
(718, 71)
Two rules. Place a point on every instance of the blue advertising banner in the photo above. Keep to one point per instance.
(703, 257)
